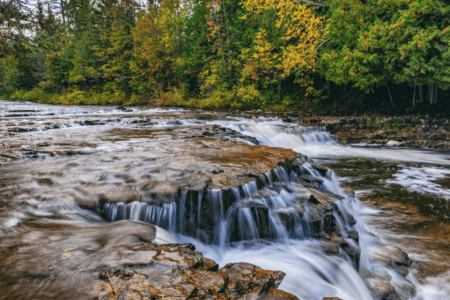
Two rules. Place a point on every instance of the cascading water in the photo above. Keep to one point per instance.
(316, 142)
(254, 216)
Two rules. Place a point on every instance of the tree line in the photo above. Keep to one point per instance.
(238, 54)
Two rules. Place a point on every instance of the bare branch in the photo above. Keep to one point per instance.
(321, 44)
(310, 2)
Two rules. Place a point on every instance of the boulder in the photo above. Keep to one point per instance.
(274, 294)
(393, 257)
(321, 169)
(393, 144)
(382, 289)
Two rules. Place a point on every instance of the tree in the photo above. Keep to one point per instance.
(288, 37)
(157, 40)
(377, 43)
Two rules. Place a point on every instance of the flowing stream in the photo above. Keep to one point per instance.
(240, 232)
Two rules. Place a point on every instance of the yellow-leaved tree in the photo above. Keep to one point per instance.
(286, 43)
(157, 40)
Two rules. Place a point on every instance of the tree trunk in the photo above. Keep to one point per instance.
(328, 88)
(430, 93)
(63, 13)
(390, 96)
(414, 97)
(420, 94)
(436, 94)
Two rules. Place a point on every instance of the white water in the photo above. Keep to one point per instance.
(44, 110)
(421, 180)
(316, 142)
(311, 275)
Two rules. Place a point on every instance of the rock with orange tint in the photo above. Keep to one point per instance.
(274, 294)
(134, 259)
(250, 280)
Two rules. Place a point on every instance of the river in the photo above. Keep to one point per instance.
(53, 156)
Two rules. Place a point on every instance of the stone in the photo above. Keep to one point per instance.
(353, 252)
(274, 294)
(351, 220)
(382, 289)
(393, 257)
(354, 235)
(321, 169)
(251, 280)
(330, 248)
(437, 137)
(393, 144)
(423, 128)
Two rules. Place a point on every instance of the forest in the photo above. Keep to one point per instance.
(335, 55)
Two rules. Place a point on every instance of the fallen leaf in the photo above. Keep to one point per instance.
(67, 254)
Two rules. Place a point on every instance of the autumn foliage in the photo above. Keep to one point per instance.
(283, 54)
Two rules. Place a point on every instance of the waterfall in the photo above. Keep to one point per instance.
(181, 217)
(270, 209)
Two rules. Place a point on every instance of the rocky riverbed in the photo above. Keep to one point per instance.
(138, 203)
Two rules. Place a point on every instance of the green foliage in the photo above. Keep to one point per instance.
(9, 75)
(372, 43)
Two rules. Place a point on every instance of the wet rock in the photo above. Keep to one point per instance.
(250, 280)
(377, 136)
(383, 290)
(393, 144)
(405, 289)
(351, 220)
(437, 137)
(330, 248)
(424, 128)
(353, 252)
(274, 294)
(44, 144)
(312, 199)
(45, 181)
(217, 171)
(392, 257)
(321, 169)
(353, 234)
(331, 298)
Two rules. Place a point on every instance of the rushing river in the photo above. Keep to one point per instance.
(401, 195)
